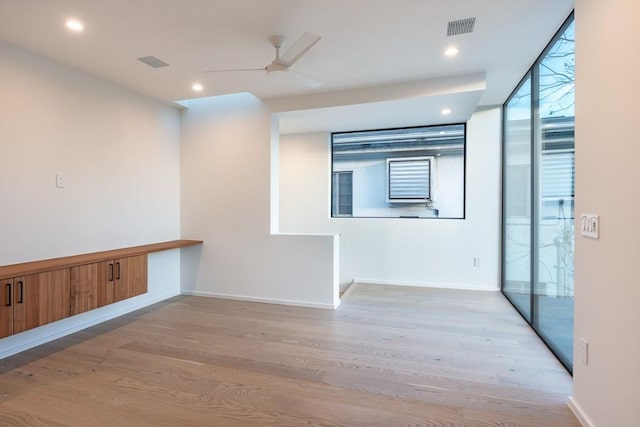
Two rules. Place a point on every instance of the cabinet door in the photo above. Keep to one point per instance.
(131, 277)
(6, 307)
(106, 278)
(137, 275)
(84, 288)
(40, 299)
(55, 295)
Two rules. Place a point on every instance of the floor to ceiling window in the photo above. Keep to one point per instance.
(516, 277)
(538, 195)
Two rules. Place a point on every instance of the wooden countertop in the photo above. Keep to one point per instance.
(32, 267)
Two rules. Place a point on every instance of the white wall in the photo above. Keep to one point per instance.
(119, 154)
(226, 160)
(607, 286)
(430, 252)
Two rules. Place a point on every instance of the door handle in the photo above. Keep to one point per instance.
(117, 270)
(110, 272)
(8, 290)
(21, 297)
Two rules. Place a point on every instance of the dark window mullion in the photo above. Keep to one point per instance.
(535, 189)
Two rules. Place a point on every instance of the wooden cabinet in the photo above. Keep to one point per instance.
(39, 292)
(98, 284)
(34, 300)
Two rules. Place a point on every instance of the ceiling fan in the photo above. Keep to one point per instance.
(281, 65)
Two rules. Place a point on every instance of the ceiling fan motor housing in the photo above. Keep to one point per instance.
(277, 41)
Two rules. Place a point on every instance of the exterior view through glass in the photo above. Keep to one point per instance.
(413, 172)
(538, 195)
(516, 277)
(555, 169)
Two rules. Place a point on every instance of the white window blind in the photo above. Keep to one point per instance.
(342, 194)
(409, 179)
(558, 175)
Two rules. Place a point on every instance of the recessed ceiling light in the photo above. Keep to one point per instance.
(74, 25)
(451, 51)
(197, 87)
(445, 111)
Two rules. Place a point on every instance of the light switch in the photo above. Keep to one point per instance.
(590, 225)
(584, 351)
(59, 180)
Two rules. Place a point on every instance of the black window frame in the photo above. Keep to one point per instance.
(464, 170)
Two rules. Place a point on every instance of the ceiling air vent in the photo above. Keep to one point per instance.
(461, 26)
(154, 62)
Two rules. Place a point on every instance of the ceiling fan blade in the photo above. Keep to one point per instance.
(304, 79)
(299, 48)
(233, 70)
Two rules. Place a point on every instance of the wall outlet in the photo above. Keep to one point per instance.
(476, 262)
(584, 351)
(590, 225)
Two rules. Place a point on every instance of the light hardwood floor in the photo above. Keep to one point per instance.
(388, 356)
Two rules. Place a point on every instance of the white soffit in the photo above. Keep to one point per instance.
(398, 105)
(382, 115)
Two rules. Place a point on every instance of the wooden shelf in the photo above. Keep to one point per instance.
(33, 267)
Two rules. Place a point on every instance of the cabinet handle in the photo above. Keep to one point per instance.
(110, 272)
(21, 297)
(8, 303)
(118, 270)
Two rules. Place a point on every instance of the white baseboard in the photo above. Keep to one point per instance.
(54, 330)
(263, 300)
(579, 413)
(428, 285)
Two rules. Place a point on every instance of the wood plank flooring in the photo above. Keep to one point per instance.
(388, 356)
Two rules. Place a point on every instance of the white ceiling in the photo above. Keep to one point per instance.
(364, 43)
